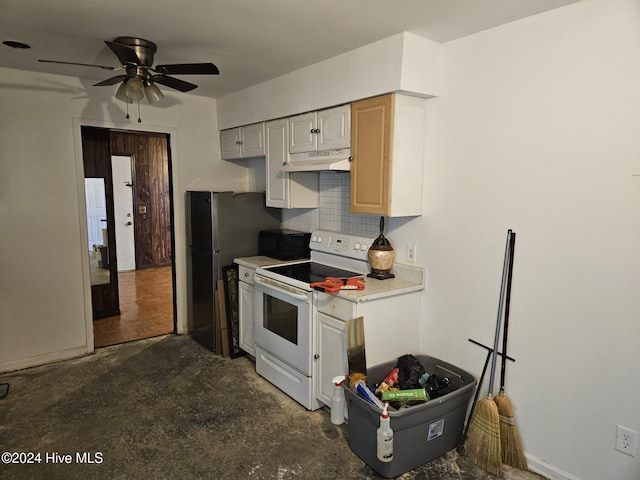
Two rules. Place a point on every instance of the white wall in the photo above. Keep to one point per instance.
(536, 129)
(43, 294)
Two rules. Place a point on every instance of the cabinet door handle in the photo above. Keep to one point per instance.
(238, 142)
(316, 356)
(351, 159)
(284, 163)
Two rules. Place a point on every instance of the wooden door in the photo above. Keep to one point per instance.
(371, 138)
(152, 196)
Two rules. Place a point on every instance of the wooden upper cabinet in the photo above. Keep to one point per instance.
(387, 146)
(370, 148)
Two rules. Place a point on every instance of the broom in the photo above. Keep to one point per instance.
(483, 441)
(511, 445)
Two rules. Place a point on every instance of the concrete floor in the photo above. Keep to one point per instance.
(168, 408)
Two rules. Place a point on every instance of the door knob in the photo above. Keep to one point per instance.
(129, 223)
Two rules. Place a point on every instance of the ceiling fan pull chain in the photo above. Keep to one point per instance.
(127, 117)
(139, 119)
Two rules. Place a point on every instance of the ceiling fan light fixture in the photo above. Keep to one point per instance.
(152, 92)
(135, 89)
(121, 94)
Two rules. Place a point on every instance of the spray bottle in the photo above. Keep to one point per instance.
(385, 436)
(337, 402)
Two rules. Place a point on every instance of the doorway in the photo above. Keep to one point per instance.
(138, 239)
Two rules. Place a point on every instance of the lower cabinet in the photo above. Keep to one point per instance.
(247, 292)
(391, 329)
(331, 355)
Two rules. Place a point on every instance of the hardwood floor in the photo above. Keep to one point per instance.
(146, 308)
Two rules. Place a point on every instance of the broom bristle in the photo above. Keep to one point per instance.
(483, 440)
(511, 445)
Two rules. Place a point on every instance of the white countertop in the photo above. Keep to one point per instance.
(408, 279)
(375, 289)
(260, 261)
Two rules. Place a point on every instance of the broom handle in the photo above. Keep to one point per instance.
(506, 312)
(496, 340)
(475, 397)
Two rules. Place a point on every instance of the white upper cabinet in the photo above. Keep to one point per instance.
(230, 143)
(328, 129)
(302, 133)
(242, 142)
(284, 189)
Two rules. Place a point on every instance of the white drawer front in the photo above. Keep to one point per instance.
(336, 307)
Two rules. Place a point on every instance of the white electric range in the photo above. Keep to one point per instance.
(285, 310)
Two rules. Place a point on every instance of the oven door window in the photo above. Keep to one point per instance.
(281, 318)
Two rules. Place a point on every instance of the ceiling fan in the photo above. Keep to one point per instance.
(140, 78)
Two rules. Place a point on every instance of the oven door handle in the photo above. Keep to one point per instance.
(283, 287)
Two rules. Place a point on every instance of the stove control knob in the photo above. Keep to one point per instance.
(364, 247)
(319, 238)
(314, 238)
(356, 246)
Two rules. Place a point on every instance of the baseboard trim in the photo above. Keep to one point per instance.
(547, 470)
(38, 360)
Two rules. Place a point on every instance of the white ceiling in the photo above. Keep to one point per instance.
(249, 40)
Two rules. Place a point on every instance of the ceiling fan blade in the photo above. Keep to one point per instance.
(104, 67)
(110, 81)
(188, 69)
(180, 85)
(124, 53)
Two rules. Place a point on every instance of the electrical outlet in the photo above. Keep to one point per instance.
(411, 253)
(626, 440)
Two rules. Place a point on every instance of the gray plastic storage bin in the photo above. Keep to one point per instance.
(421, 433)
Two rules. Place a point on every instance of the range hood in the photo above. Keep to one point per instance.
(318, 161)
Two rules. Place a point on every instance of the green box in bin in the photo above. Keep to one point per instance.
(421, 433)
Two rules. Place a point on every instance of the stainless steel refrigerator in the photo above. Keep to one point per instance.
(221, 226)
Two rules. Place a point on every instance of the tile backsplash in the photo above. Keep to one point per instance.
(334, 208)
